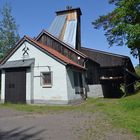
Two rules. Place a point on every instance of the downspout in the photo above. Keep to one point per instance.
(86, 85)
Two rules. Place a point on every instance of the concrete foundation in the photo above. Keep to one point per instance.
(95, 91)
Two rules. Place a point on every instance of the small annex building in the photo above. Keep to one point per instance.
(54, 68)
(35, 73)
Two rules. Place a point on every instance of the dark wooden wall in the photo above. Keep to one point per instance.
(93, 72)
(113, 71)
(56, 45)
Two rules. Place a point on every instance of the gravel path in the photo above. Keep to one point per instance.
(69, 125)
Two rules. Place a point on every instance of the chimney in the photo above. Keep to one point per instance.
(67, 26)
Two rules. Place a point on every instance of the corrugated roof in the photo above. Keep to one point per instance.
(57, 25)
(64, 27)
(70, 33)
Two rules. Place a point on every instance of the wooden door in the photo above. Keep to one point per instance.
(15, 85)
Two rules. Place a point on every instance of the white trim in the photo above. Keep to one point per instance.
(48, 85)
(3, 86)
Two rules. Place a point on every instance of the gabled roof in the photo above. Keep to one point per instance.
(104, 52)
(45, 49)
(61, 42)
(107, 59)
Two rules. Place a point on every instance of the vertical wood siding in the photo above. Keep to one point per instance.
(44, 39)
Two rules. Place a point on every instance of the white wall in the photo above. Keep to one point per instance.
(95, 91)
(58, 92)
(28, 85)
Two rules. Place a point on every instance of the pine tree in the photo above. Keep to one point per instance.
(8, 30)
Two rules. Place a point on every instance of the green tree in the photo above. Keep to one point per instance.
(137, 68)
(8, 30)
(122, 25)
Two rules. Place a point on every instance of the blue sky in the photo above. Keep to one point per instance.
(34, 15)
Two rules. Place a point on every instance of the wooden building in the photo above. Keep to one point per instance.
(115, 70)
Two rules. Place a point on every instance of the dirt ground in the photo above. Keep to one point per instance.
(68, 125)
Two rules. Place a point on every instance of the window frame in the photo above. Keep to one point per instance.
(49, 85)
(78, 82)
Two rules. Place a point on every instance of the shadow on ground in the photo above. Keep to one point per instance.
(20, 134)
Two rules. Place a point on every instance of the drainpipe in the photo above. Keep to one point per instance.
(86, 86)
(85, 62)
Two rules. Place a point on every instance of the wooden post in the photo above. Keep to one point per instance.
(125, 77)
(125, 81)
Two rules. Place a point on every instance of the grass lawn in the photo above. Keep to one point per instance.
(123, 113)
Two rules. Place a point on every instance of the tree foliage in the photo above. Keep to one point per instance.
(137, 69)
(8, 30)
(122, 25)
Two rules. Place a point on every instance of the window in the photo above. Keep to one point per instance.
(46, 79)
(78, 83)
